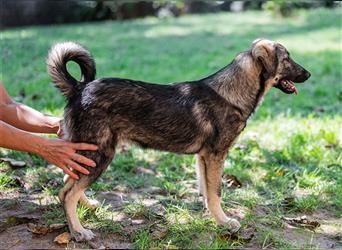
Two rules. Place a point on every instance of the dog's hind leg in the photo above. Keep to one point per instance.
(76, 192)
(84, 200)
(89, 203)
(70, 203)
(214, 169)
(68, 183)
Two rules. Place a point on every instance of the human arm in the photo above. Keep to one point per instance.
(58, 152)
(24, 117)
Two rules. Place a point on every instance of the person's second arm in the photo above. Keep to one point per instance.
(24, 117)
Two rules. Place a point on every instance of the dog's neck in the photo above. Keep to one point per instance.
(241, 83)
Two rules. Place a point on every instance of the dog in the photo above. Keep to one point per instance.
(202, 117)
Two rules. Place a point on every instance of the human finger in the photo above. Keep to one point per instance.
(84, 160)
(84, 146)
(77, 167)
(67, 171)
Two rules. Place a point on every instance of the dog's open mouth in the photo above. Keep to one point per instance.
(287, 86)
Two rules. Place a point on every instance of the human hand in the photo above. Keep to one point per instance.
(59, 128)
(60, 132)
(63, 154)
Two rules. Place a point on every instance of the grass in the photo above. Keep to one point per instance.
(289, 158)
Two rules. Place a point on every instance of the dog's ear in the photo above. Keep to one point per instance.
(264, 51)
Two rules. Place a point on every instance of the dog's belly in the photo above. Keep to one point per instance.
(183, 141)
(172, 146)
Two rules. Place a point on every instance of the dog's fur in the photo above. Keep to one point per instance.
(201, 117)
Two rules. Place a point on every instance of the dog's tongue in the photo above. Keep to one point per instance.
(293, 87)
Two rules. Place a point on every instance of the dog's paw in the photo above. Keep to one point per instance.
(232, 224)
(84, 234)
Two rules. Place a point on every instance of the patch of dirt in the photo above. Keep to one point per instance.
(307, 238)
(19, 209)
(324, 234)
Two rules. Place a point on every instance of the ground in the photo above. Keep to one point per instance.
(286, 164)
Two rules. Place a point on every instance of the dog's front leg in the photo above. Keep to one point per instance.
(213, 173)
(201, 178)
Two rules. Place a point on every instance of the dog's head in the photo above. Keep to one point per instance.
(279, 69)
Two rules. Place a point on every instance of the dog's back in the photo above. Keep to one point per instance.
(150, 115)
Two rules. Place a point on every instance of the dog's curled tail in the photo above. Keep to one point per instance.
(59, 55)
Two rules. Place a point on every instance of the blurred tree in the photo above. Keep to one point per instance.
(285, 8)
(36, 12)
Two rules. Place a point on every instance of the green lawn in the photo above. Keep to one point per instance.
(288, 159)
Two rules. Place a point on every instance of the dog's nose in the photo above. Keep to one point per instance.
(307, 74)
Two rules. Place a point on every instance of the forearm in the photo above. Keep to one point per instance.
(16, 139)
(28, 119)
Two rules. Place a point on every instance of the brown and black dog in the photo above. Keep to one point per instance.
(201, 117)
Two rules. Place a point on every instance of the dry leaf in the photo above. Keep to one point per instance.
(159, 232)
(38, 229)
(302, 221)
(247, 234)
(63, 238)
(158, 210)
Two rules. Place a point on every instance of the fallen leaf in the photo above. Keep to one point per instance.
(38, 229)
(158, 211)
(247, 234)
(232, 181)
(302, 221)
(63, 238)
(13, 163)
(159, 232)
